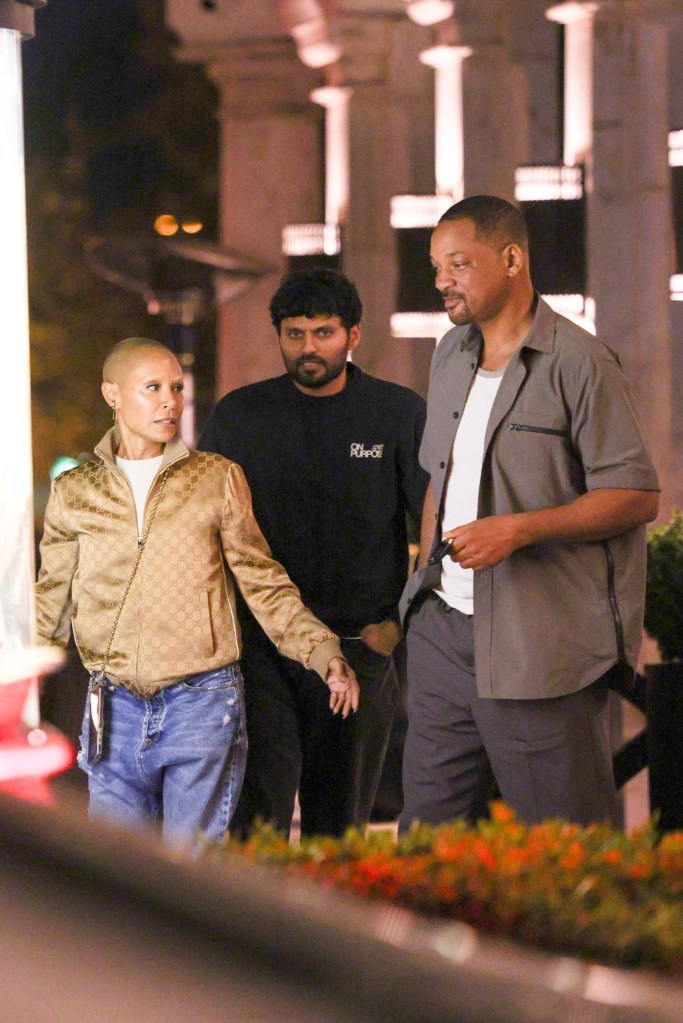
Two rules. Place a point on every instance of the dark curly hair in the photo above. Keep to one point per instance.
(318, 292)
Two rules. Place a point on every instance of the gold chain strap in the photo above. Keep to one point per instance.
(141, 547)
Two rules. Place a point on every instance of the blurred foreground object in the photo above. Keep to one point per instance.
(29, 752)
(91, 909)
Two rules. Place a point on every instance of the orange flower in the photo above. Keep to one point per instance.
(485, 856)
(595, 891)
(574, 857)
(501, 813)
(639, 870)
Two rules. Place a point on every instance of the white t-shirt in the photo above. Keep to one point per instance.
(140, 473)
(462, 484)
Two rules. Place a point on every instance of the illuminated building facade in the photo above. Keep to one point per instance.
(346, 128)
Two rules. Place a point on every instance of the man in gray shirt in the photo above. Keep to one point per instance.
(541, 486)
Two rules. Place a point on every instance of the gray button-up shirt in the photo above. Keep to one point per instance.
(553, 617)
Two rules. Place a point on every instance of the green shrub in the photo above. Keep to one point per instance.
(664, 594)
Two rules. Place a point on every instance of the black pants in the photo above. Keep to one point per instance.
(295, 742)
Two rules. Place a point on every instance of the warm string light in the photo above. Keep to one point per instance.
(676, 148)
(308, 26)
(547, 184)
(429, 12)
(409, 211)
(166, 225)
(676, 285)
(311, 240)
(420, 325)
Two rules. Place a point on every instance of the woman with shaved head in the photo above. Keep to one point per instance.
(142, 547)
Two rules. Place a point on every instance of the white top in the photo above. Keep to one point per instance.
(462, 484)
(140, 473)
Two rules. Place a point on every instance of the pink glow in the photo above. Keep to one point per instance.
(37, 754)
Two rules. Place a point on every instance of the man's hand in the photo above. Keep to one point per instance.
(344, 690)
(381, 637)
(484, 542)
(594, 516)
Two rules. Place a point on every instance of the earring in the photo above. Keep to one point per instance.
(115, 414)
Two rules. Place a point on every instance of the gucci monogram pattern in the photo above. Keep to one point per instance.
(179, 617)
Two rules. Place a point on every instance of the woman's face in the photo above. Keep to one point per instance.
(148, 394)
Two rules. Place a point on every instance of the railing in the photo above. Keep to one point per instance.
(658, 746)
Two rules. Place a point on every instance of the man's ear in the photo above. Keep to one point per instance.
(354, 336)
(514, 259)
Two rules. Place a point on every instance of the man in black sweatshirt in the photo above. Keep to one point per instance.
(330, 454)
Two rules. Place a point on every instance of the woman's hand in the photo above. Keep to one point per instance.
(344, 690)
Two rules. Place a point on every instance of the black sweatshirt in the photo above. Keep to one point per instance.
(332, 479)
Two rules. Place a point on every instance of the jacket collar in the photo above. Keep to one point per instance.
(106, 449)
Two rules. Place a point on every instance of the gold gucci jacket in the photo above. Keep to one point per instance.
(179, 617)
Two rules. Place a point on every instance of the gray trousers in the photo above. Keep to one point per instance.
(549, 757)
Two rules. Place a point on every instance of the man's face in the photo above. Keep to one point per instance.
(470, 274)
(315, 351)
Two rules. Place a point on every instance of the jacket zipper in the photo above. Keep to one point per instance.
(537, 429)
(616, 614)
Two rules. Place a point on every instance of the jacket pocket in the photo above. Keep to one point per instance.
(181, 639)
(529, 428)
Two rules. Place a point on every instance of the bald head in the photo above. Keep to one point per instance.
(143, 384)
(119, 360)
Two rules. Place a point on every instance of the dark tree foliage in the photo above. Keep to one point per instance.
(117, 130)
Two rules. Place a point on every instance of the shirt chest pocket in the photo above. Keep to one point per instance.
(533, 453)
(528, 422)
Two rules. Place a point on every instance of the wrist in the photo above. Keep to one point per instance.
(524, 531)
(321, 655)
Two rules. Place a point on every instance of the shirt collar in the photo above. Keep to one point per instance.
(541, 334)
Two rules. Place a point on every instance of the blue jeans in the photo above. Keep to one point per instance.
(179, 755)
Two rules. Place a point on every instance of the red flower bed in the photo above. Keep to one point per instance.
(592, 892)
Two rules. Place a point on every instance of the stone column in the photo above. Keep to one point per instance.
(495, 95)
(391, 153)
(630, 233)
(577, 17)
(449, 142)
(271, 175)
(335, 101)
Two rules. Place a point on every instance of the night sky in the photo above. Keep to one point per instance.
(117, 131)
(101, 81)
(82, 54)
